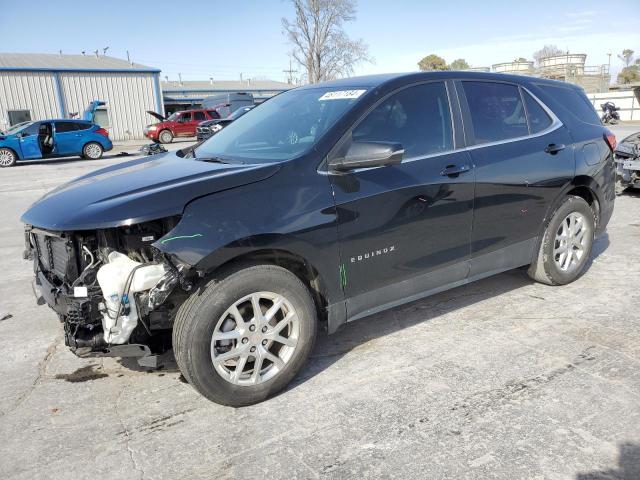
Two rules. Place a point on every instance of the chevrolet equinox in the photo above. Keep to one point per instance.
(326, 204)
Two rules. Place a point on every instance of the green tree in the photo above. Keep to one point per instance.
(626, 57)
(459, 64)
(630, 74)
(432, 62)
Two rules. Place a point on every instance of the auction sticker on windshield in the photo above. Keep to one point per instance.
(342, 94)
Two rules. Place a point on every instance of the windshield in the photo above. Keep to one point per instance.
(17, 127)
(173, 117)
(285, 127)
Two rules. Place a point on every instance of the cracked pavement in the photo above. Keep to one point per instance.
(503, 378)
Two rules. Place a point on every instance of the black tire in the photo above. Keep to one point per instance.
(197, 318)
(165, 136)
(545, 269)
(92, 151)
(8, 158)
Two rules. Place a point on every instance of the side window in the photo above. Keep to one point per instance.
(575, 102)
(538, 118)
(83, 126)
(64, 127)
(199, 116)
(185, 117)
(496, 111)
(32, 129)
(417, 117)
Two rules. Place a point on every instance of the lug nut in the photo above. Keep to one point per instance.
(264, 342)
(245, 340)
(252, 328)
(253, 349)
(264, 329)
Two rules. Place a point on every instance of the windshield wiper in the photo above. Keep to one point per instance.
(216, 160)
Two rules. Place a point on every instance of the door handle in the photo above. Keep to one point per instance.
(554, 148)
(454, 170)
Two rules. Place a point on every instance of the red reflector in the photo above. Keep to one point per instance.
(102, 131)
(611, 140)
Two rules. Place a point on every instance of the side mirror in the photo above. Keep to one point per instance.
(367, 155)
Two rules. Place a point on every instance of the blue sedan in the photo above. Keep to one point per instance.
(53, 138)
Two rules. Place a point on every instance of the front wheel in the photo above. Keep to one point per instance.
(7, 158)
(243, 337)
(566, 244)
(92, 151)
(165, 136)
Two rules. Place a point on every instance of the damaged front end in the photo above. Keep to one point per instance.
(116, 294)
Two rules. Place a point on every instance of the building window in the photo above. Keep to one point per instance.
(18, 116)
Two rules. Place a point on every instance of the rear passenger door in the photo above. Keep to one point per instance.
(405, 229)
(523, 158)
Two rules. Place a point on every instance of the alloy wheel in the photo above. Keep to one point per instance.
(571, 242)
(255, 338)
(6, 158)
(93, 151)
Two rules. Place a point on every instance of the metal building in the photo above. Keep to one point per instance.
(41, 86)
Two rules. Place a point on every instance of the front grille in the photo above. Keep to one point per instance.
(54, 254)
(202, 129)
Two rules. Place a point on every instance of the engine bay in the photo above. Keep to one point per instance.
(112, 289)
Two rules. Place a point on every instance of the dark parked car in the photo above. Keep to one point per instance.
(327, 204)
(208, 128)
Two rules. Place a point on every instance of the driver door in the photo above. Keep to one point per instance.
(184, 124)
(29, 143)
(405, 229)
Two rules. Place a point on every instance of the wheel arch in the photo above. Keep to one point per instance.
(581, 186)
(15, 152)
(297, 264)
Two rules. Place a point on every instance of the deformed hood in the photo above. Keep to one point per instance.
(137, 191)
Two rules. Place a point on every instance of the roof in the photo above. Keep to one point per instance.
(371, 81)
(64, 62)
(224, 86)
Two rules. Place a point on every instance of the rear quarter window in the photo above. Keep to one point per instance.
(574, 101)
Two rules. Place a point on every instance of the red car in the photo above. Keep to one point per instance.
(178, 124)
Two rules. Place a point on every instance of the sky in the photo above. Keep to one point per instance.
(225, 38)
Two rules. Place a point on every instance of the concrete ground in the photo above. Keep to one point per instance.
(504, 378)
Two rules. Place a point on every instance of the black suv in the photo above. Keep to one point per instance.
(327, 204)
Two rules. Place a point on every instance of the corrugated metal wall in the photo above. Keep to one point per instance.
(128, 97)
(33, 91)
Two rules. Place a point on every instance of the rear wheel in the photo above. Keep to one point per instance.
(7, 158)
(566, 244)
(92, 151)
(165, 136)
(243, 337)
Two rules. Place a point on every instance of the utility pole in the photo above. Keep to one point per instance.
(291, 71)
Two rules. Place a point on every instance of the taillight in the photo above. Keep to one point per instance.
(102, 131)
(611, 140)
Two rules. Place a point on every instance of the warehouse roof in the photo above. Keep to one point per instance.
(64, 62)
(224, 85)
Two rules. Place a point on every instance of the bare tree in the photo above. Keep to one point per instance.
(547, 51)
(320, 44)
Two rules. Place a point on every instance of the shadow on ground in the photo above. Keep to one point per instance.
(628, 466)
